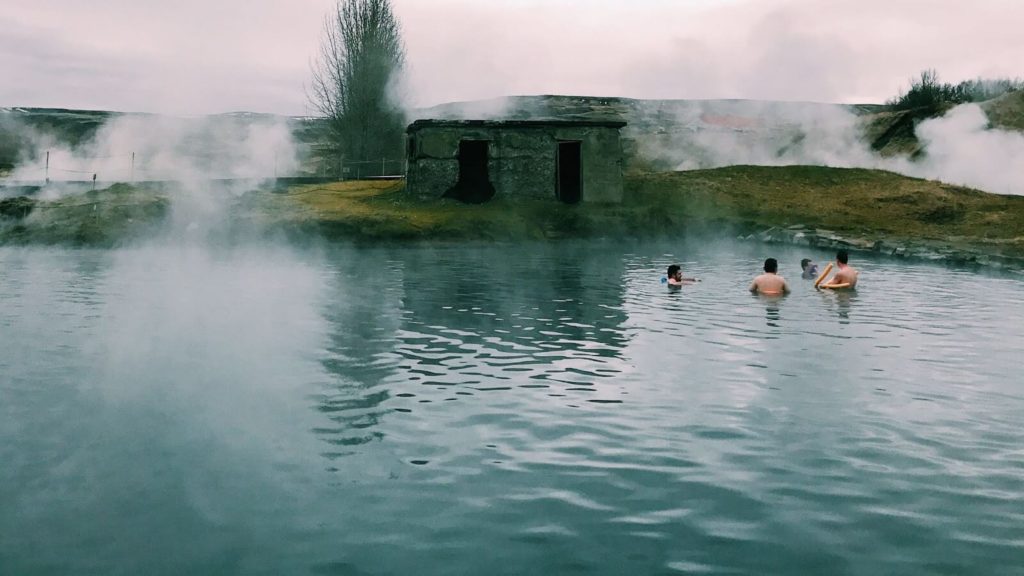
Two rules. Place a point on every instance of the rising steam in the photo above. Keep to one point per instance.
(161, 148)
(958, 148)
(961, 149)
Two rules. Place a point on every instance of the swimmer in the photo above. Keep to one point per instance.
(810, 269)
(846, 276)
(676, 278)
(770, 283)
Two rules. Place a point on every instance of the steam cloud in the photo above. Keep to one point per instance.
(959, 148)
(203, 164)
(490, 109)
(962, 150)
(168, 148)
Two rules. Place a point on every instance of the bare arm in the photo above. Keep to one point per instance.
(753, 286)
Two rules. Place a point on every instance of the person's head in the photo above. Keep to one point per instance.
(771, 265)
(804, 263)
(842, 256)
(674, 270)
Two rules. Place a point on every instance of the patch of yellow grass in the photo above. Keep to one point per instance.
(340, 199)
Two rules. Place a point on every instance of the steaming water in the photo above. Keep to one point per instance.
(538, 410)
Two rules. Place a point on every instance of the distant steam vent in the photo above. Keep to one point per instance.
(475, 160)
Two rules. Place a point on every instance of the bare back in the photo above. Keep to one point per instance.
(770, 285)
(846, 275)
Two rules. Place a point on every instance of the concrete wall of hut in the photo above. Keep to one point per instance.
(521, 161)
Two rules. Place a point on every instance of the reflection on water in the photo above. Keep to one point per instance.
(772, 309)
(362, 308)
(448, 325)
(841, 302)
(552, 408)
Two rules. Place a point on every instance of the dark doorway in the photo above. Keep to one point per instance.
(569, 172)
(474, 184)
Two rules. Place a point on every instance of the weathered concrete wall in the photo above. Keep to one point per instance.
(602, 162)
(525, 163)
(521, 160)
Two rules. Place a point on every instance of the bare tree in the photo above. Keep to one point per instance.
(361, 55)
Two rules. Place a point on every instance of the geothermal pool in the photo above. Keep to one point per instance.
(504, 410)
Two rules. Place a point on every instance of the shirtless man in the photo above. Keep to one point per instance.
(845, 275)
(676, 278)
(770, 283)
(810, 269)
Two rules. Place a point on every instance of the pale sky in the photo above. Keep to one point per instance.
(208, 56)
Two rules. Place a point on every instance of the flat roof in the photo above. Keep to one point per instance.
(553, 123)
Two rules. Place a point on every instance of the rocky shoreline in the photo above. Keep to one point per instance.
(929, 250)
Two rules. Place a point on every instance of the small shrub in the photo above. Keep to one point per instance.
(931, 97)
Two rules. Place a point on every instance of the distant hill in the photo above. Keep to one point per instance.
(695, 134)
(685, 134)
(1007, 111)
(660, 134)
(25, 132)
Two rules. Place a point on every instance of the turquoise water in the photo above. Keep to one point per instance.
(504, 410)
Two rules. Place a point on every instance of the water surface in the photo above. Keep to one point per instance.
(496, 409)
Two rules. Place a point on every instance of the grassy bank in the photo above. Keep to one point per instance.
(854, 203)
(376, 211)
(107, 217)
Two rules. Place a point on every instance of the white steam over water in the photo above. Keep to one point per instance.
(144, 147)
(210, 161)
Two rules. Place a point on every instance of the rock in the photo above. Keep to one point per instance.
(17, 207)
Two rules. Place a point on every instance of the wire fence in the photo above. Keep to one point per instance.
(131, 167)
(383, 168)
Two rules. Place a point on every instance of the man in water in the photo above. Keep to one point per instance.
(846, 276)
(675, 276)
(810, 269)
(770, 283)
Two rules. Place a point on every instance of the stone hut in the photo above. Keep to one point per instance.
(474, 160)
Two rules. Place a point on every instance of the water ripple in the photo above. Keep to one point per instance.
(540, 409)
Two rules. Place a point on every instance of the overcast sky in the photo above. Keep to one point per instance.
(205, 56)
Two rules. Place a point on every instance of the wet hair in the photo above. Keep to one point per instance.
(804, 263)
(673, 269)
(771, 265)
(842, 256)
